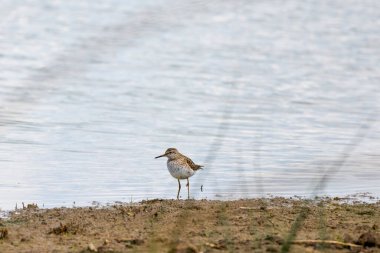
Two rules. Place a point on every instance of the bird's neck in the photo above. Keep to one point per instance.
(172, 159)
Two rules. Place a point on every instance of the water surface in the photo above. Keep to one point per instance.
(266, 94)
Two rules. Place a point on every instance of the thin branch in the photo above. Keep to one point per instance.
(327, 242)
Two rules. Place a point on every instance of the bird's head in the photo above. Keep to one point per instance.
(170, 153)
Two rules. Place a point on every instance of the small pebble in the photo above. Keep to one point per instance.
(91, 247)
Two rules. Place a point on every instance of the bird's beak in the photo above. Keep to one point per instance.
(160, 156)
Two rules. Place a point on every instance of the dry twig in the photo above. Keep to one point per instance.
(313, 242)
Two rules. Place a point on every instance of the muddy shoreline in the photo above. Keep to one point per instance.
(252, 225)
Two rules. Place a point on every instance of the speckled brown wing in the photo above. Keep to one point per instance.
(192, 165)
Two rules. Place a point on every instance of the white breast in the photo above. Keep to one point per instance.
(179, 171)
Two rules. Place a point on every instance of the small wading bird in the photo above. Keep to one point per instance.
(180, 167)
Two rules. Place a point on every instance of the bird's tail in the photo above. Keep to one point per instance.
(199, 167)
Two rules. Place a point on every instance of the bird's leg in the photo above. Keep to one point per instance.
(179, 188)
(188, 189)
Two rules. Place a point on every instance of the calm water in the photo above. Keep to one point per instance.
(266, 94)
